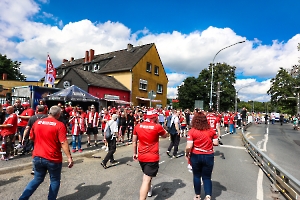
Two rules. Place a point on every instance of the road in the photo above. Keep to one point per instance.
(280, 143)
(235, 176)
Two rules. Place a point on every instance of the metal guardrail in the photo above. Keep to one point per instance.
(281, 180)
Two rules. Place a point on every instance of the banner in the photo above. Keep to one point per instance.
(50, 72)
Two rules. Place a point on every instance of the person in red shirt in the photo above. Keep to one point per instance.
(49, 137)
(6, 104)
(232, 122)
(213, 121)
(92, 122)
(147, 152)
(7, 131)
(23, 120)
(200, 153)
(226, 121)
(42, 102)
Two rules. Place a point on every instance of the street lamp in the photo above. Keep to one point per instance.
(212, 71)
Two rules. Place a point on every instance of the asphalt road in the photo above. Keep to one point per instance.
(235, 176)
(279, 143)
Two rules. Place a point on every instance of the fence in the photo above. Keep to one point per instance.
(281, 180)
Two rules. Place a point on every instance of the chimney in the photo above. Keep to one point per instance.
(86, 59)
(64, 60)
(72, 59)
(92, 52)
(4, 76)
(129, 46)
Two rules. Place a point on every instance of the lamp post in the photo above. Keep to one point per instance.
(212, 71)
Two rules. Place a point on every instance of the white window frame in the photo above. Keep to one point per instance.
(156, 72)
(143, 84)
(148, 70)
(160, 88)
(95, 67)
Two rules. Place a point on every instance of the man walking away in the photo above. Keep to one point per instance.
(49, 136)
(112, 143)
(147, 152)
(175, 134)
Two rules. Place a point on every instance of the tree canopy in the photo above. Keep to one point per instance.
(199, 88)
(11, 68)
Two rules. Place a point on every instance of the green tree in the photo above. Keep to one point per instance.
(11, 68)
(199, 88)
(284, 90)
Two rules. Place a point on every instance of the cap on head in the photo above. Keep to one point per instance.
(151, 114)
(114, 116)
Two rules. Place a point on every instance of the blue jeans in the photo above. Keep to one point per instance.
(78, 138)
(202, 165)
(232, 128)
(41, 166)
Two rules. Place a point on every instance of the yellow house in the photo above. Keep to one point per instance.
(7, 85)
(138, 68)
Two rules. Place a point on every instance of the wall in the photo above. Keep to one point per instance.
(100, 92)
(123, 77)
(139, 72)
(74, 79)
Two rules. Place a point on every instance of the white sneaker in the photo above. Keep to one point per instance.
(207, 197)
(106, 149)
(19, 146)
(150, 191)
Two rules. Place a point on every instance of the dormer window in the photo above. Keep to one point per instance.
(96, 67)
(156, 70)
(148, 68)
(90, 68)
(85, 68)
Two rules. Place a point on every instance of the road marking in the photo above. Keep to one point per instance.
(233, 147)
(260, 191)
(161, 162)
(263, 142)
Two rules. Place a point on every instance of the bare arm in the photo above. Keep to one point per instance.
(134, 145)
(65, 147)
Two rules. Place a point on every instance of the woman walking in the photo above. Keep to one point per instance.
(200, 153)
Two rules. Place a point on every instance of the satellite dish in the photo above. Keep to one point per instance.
(67, 84)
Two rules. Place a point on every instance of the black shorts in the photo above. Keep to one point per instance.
(243, 119)
(150, 168)
(93, 130)
(225, 125)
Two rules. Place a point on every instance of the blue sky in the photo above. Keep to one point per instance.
(187, 34)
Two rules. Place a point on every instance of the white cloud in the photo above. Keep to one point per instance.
(182, 55)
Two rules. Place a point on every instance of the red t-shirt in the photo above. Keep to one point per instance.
(48, 134)
(148, 135)
(13, 120)
(231, 119)
(27, 112)
(226, 118)
(212, 120)
(202, 140)
(107, 117)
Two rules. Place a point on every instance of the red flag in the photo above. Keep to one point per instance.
(50, 72)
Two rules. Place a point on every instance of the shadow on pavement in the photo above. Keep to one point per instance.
(221, 154)
(11, 180)
(217, 189)
(166, 190)
(88, 191)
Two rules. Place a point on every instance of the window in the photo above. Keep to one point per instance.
(90, 68)
(85, 68)
(148, 69)
(143, 84)
(159, 88)
(96, 67)
(156, 70)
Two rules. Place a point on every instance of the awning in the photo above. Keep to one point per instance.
(118, 101)
(146, 99)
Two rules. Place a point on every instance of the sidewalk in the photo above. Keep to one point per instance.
(21, 162)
